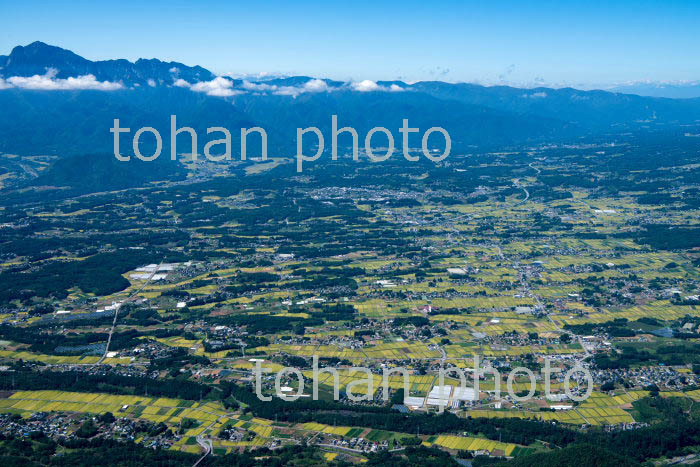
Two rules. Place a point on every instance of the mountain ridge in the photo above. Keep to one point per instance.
(38, 58)
(61, 121)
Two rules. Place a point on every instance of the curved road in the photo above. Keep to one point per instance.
(207, 445)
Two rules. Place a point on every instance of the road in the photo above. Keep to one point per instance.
(131, 297)
(355, 451)
(207, 446)
(444, 356)
(516, 184)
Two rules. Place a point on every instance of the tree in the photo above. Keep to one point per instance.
(107, 418)
(607, 386)
(87, 430)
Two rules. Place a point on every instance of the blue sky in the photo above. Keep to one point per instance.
(549, 42)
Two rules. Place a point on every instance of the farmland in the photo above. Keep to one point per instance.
(157, 307)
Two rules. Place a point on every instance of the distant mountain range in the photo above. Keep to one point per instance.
(56, 102)
(689, 90)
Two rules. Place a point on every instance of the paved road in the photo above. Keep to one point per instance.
(358, 451)
(444, 356)
(207, 446)
(131, 297)
(516, 184)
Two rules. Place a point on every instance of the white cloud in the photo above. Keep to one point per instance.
(315, 85)
(258, 87)
(536, 95)
(174, 70)
(49, 82)
(219, 86)
(261, 76)
(222, 92)
(366, 86)
(269, 75)
(222, 86)
(369, 86)
(293, 91)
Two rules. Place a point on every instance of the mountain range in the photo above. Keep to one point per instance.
(58, 103)
(38, 57)
(688, 90)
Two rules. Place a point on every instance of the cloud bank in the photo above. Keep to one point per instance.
(219, 86)
(372, 86)
(49, 82)
(314, 85)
